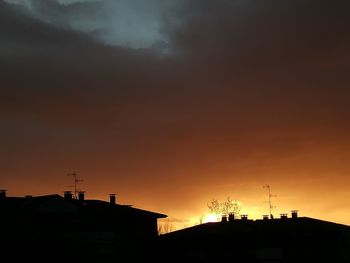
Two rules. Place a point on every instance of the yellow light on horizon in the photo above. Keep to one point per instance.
(207, 218)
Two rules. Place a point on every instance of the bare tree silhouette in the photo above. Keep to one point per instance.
(225, 208)
(165, 226)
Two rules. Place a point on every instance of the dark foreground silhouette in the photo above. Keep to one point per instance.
(53, 228)
(63, 229)
(298, 239)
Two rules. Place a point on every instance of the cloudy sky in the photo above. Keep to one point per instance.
(170, 103)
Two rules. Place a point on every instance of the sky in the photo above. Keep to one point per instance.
(172, 103)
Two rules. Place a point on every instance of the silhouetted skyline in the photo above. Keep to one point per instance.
(55, 228)
(169, 104)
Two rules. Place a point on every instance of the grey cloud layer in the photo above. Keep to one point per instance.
(135, 23)
(172, 98)
(273, 67)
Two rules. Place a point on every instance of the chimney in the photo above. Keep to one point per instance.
(112, 199)
(265, 217)
(68, 195)
(244, 217)
(2, 193)
(284, 216)
(294, 213)
(231, 217)
(224, 218)
(81, 195)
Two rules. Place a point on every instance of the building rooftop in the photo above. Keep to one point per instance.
(58, 204)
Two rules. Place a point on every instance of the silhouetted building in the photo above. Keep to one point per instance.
(295, 239)
(64, 227)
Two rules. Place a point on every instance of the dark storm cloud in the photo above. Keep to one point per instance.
(280, 59)
(265, 36)
(235, 77)
(24, 36)
(45, 65)
(172, 98)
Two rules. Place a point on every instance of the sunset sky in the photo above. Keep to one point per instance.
(171, 103)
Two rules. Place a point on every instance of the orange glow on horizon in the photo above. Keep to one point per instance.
(207, 218)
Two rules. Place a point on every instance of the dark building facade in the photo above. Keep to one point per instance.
(55, 227)
(295, 239)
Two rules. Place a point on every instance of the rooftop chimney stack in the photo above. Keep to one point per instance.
(284, 216)
(224, 218)
(244, 217)
(112, 199)
(294, 213)
(2, 193)
(231, 217)
(68, 195)
(81, 195)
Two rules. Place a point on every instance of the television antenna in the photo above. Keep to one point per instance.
(76, 181)
(270, 202)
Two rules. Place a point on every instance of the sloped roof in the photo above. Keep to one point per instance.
(300, 224)
(58, 204)
(106, 206)
(242, 227)
(273, 240)
(21, 204)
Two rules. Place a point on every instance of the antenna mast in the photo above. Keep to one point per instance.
(76, 181)
(270, 203)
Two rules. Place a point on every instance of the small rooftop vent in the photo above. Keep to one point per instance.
(2, 193)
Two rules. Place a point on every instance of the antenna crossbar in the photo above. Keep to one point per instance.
(270, 202)
(76, 181)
